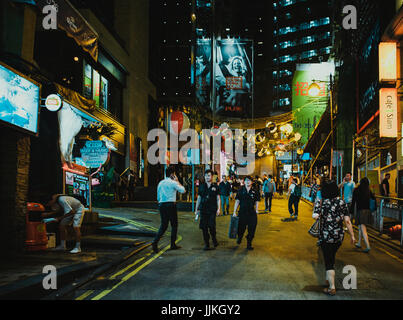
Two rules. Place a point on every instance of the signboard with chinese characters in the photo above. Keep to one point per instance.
(94, 154)
(388, 113)
(308, 108)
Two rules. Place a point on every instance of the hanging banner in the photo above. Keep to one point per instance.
(234, 77)
(76, 27)
(308, 108)
(388, 113)
(203, 72)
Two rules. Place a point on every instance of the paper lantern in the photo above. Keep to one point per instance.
(178, 121)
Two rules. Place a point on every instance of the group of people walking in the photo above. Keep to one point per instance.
(335, 206)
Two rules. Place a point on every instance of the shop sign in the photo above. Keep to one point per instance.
(387, 62)
(94, 154)
(388, 113)
(53, 103)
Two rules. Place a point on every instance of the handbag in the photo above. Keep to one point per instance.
(233, 228)
(314, 230)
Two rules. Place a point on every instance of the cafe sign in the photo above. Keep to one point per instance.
(94, 154)
(388, 113)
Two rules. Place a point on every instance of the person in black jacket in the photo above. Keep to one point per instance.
(361, 198)
(208, 207)
(248, 200)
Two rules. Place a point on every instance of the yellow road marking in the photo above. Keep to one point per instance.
(85, 295)
(391, 255)
(130, 275)
(127, 268)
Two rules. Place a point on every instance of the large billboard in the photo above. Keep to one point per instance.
(203, 72)
(19, 100)
(234, 77)
(308, 109)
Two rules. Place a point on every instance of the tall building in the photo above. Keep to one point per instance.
(170, 50)
(302, 34)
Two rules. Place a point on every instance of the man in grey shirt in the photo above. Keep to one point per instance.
(166, 194)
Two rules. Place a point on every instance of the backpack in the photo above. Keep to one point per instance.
(298, 191)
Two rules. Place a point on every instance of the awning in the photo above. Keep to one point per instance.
(76, 27)
(75, 98)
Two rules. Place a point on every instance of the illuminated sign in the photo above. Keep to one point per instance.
(53, 103)
(19, 100)
(94, 154)
(388, 113)
(387, 62)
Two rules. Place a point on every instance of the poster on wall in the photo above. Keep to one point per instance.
(77, 184)
(234, 77)
(19, 100)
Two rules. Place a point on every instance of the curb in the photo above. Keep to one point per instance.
(372, 234)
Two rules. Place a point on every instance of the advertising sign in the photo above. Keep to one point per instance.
(94, 154)
(203, 72)
(53, 102)
(387, 61)
(234, 77)
(79, 185)
(19, 100)
(308, 108)
(388, 113)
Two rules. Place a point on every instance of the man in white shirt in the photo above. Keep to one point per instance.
(73, 213)
(166, 195)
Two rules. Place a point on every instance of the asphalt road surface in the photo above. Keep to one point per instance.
(285, 265)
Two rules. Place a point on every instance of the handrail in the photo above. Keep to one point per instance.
(127, 169)
(388, 198)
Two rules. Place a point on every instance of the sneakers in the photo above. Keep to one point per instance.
(76, 250)
(367, 250)
(215, 244)
(358, 245)
(206, 247)
(249, 247)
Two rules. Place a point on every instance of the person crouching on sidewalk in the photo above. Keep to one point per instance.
(73, 213)
(208, 201)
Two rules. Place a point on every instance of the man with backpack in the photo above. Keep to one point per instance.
(294, 196)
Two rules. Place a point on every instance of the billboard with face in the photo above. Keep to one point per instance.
(234, 77)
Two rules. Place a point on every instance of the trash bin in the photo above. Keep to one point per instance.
(36, 238)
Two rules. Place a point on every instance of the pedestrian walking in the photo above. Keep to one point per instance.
(269, 189)
(361, 201)
(347, 187)
(166, 194)
(314, 190)
(332, 211)
(207, 208)
(225, 192)
(294, 196)
(248, 201)
(131, 184)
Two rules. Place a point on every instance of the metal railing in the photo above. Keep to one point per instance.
(389, 208)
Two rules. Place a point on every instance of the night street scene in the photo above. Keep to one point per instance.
(196, 157)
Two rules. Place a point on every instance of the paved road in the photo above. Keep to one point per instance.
(286, 264)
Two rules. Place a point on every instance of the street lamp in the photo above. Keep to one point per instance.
(313, 91)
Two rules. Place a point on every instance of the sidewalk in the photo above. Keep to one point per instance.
(114, 241)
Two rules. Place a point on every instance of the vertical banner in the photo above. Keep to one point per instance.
(203, 72)
(234, 77)
(308, 105)
(387, 62)
(388, 113)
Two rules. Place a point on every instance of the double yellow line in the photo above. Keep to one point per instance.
(127, 268)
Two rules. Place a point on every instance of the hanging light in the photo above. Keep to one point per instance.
(314, 90)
